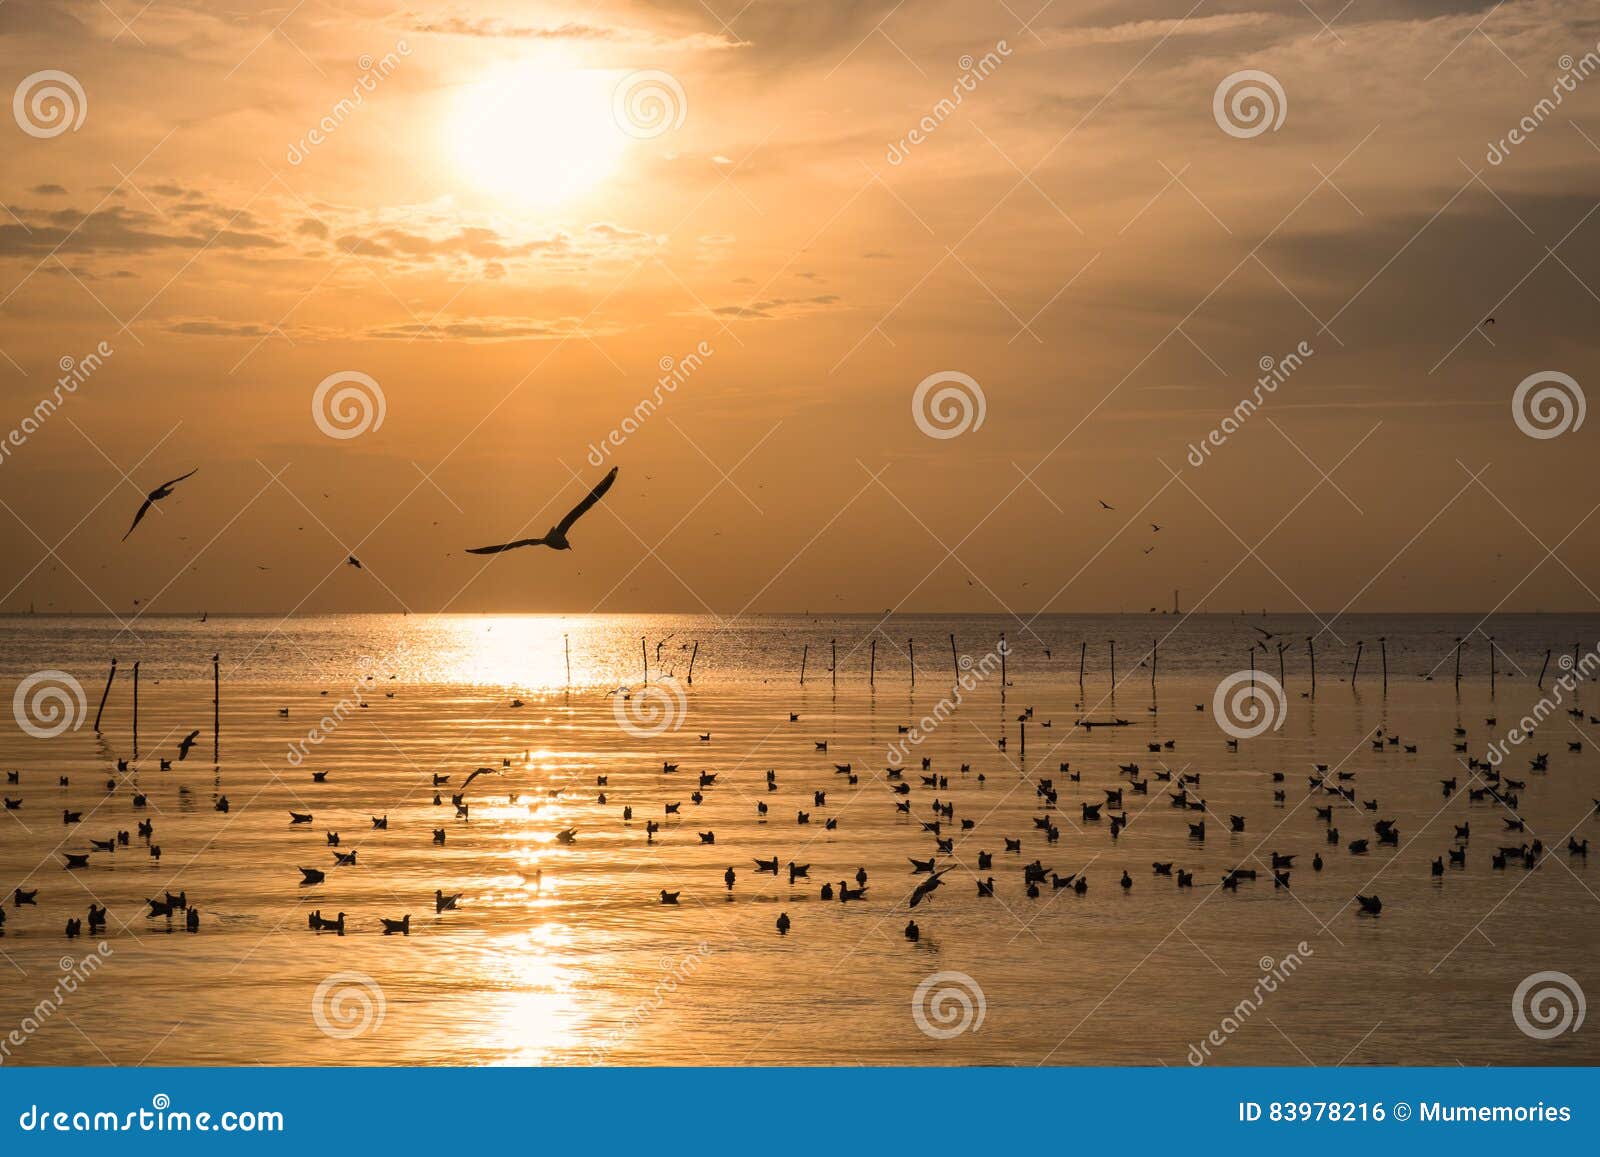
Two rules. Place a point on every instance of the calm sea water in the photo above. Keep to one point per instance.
(563, 954)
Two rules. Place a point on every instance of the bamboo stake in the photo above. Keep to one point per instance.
(804, 651)
(692, 655)
(136, 709)
(1311, 646)
(111, 675)
(872, 665)
(216, 707)
(1542, 668)
(911, 649)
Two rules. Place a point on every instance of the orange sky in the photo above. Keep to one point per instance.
(509, 250)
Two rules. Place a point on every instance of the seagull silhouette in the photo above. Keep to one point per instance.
(153, 497)
(1104, 505)
(353, 561)
(556, 537)
(186, 744)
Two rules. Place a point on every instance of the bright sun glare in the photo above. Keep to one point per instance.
(537, 136)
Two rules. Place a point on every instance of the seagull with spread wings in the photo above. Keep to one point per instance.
(153, 497)
(556, 537)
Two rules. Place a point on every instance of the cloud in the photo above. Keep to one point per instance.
(777, 307)
(604, 33)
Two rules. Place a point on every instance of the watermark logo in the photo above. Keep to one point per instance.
(1249, 102)
(1274, 974)
(48, 103)
(372, 71)
(970, 678)
(74, 373)
(654, 709)
(348, 404)
(948, 1004)
(1249, 703)
(648, 104)
(973, 71)
(49, 703)
(1274, 373)
(1547, 1004)
(1548, 404)
(947, 404)
(674, 372)
(348, 1004)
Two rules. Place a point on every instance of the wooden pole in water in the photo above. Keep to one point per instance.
(911, 650)
(1083, 653)
(1023, 761)
(1311, 646)
(834, 662)
(1003, 650)
(1252, 666)
(872, 665)
(216, 707)
(136, 708)
(1383, 654)
(954, 662)
(1113, 664)
(566, 649)
(1491, 664)
(1458, 664)
(1543, 667)
(692, 655)
(1282, 647)
(804, 651)
(645, 655)
(1152, 665)
(112, 674)
(1356, 674)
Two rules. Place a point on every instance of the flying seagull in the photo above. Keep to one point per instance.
(926, 888)
(186, 744)
(556, 536)
(353, 561)
(153, 497)
(1104, 505)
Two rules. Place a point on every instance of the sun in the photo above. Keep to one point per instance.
(537, 136)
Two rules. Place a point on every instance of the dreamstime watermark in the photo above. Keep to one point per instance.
(348, 1004)
(648, 103)
(1547, 1004)
(948, 1004)
(1249, 102)
(1548, 404)
(654, 709)
(673, 973)
(969, 680)
(49, 703)
(1273, 974)
(74, 373)
(947, 404)
(347, 404)
(1566, 684)
(372, 71)
(1573, 73)
(348, 705)
(1274, 372)
(160, 1117)
(673, 374)
(48, 103)
(1249, 703)
(73, 974)
(972, 72)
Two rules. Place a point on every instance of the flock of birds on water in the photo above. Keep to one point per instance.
(923, 805)
(934, 817)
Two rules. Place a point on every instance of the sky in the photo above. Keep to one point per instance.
(874, 305)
